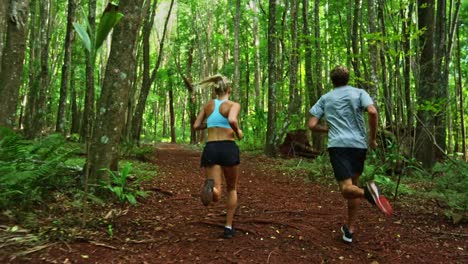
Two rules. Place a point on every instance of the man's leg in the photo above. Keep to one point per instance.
(352, 193)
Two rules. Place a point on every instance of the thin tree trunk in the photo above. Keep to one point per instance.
(171, 112)
(317, 139)
(373, 51)
(355, 41)
(294, 99)
(4, 8)
(307, 53)
(64, 84)
(39, 120)
(191, 94)
(88, 112)
(257, 71)
(407, 67)
(12, 62)
(386, 87)
(75, 112)
(270, 148)
(33, 65)
(146, 85)
(460, 95)
(236, 52)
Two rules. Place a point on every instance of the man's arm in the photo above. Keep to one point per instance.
(315, 127)
(373, 119)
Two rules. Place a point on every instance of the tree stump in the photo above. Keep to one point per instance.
(296, 143)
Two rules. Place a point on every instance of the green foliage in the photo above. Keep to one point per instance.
(320, 169)
(122, 187)
(314, 170)
(109, 19)
(94, 40)
(451, 186)
(30, 170)
(83, 36)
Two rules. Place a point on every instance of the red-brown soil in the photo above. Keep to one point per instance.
(281, 219)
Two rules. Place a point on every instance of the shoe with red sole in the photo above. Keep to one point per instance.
(371, 193)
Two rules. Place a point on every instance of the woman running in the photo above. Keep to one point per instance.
(220, 154)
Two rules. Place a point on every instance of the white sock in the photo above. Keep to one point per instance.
(228, 227)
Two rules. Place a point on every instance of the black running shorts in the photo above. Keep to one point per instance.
(347, 162)
(224, 153)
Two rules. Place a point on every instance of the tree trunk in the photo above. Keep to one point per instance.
(355, 42)
(120, 70)
(308, 53)
(75, 112)
(38, 121)
(4, 8)
(441, 93)
(65, 82)
(246, 102)
(12, 62)
(88, 112)
(317, 139)
(257, 71)
(191, 94)
(171, 111)
(147, 82)
(294, 99)
(34, 54)
(236, 52)
(386, 87)
(459, 85)
(270, 146)
(373, 51)
(426, 91)
(407, 67)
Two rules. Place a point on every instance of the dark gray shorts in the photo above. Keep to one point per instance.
(224, 153)
(347, 162)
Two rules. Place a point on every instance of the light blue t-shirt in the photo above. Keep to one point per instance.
(342, 108)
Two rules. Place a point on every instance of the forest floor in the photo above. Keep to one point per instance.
(281, 219)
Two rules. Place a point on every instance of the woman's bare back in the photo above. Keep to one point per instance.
(219, 133)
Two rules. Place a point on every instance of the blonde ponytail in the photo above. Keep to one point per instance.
(218, 82)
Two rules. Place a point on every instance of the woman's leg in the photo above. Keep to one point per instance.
(215, 172)
(231, 174)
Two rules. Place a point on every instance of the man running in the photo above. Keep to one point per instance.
(343, 109)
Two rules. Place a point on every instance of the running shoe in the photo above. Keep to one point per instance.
(207, 192)
(229, 232)
(347, 236)
(371, 193)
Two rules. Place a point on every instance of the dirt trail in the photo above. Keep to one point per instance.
(281, 219)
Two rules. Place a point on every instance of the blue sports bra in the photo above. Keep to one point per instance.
(216, 119)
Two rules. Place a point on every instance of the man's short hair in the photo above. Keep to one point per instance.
(339, 76)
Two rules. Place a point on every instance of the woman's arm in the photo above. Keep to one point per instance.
(199, 125)
(232, 118)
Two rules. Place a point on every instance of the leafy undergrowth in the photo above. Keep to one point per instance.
(41, 194)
